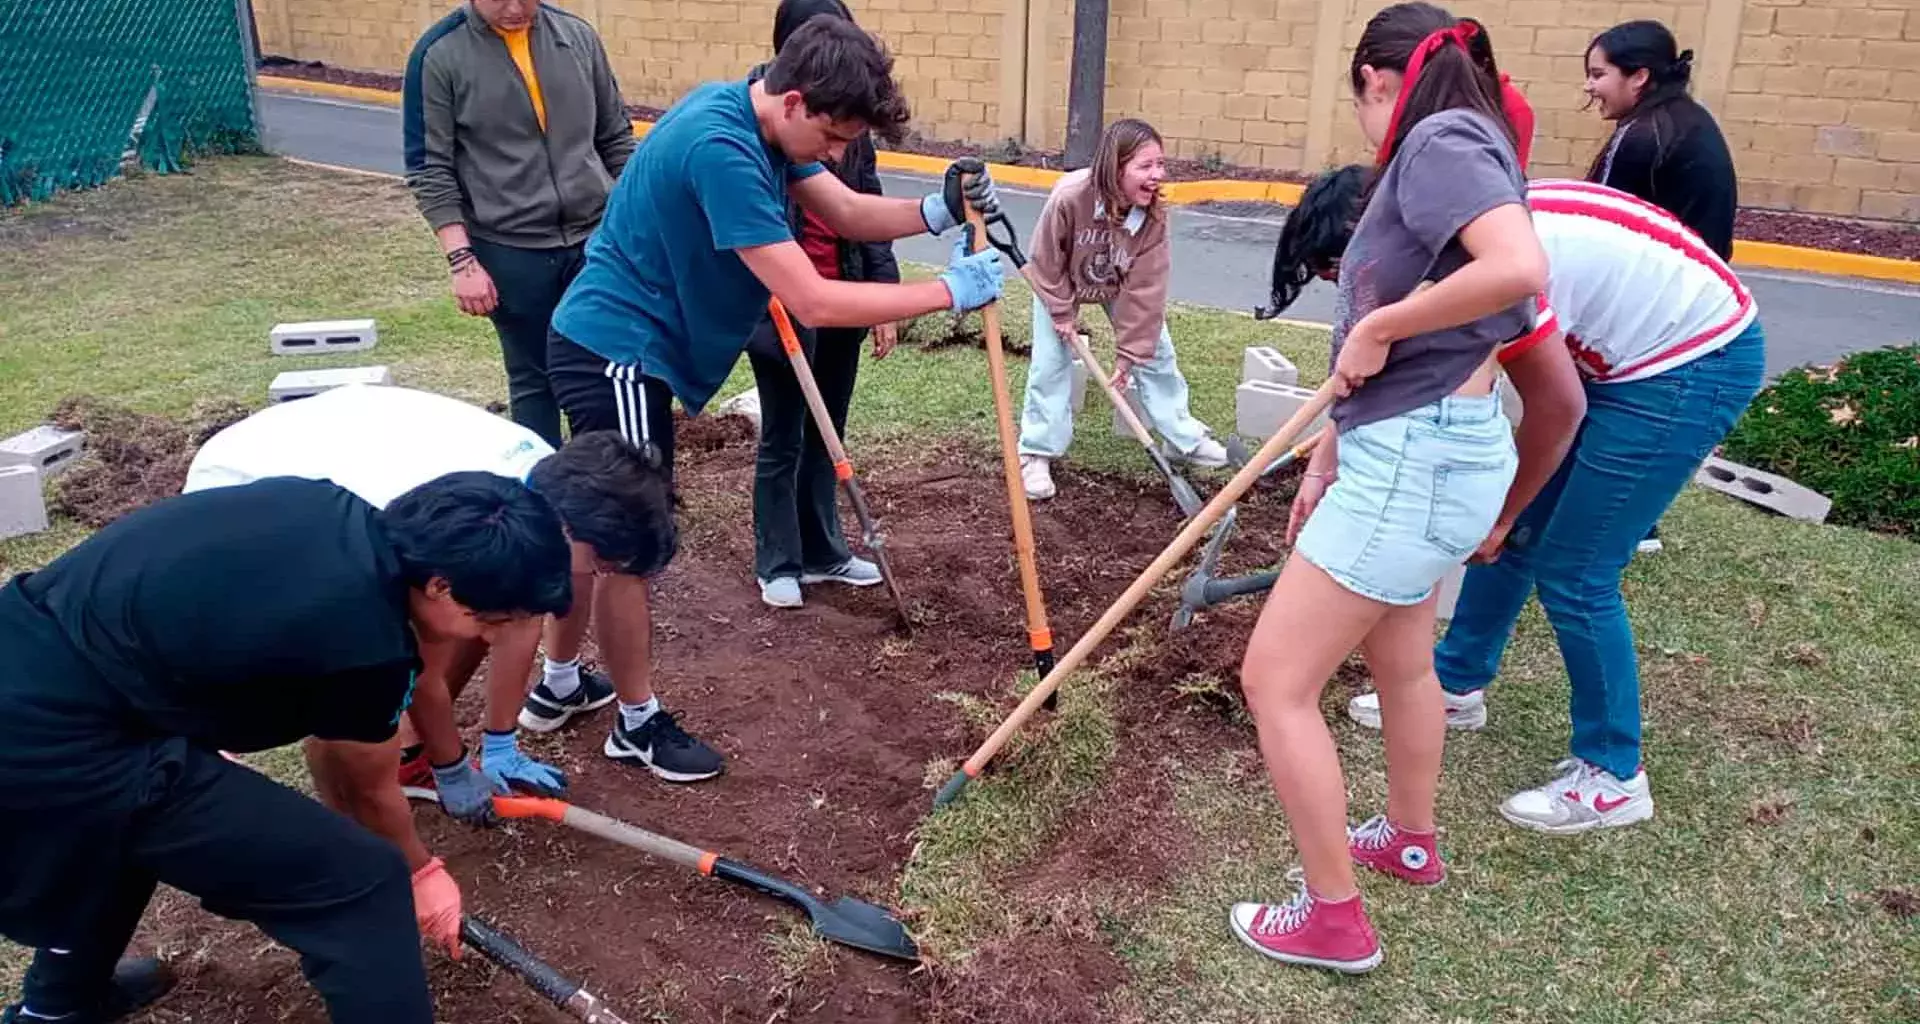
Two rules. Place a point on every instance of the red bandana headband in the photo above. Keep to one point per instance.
(1461, 32)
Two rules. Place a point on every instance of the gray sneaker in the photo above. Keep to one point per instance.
(856, 572)
(781, 592)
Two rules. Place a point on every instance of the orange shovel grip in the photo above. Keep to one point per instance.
(530, 807)
(783, 326)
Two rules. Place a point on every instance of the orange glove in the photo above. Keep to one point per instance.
(436, 906)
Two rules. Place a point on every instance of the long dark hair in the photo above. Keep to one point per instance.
(1666, 100)
(1315, 234)
(1448, 76)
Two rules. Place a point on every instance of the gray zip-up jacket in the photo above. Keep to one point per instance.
(474, 149)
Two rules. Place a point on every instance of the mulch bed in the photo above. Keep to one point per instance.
(828, 720)
(1871, 239)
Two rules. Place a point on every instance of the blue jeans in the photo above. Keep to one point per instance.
(1638, 447)
(1413, 496)
(1046, 422)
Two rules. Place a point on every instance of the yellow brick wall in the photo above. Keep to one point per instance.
(1820, 99)
(1822, 110)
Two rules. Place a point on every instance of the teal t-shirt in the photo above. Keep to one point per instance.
(662, 287)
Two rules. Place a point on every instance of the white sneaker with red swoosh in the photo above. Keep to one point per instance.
(1584, 797)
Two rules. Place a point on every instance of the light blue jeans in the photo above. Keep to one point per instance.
(1413, 496)
(1046, 422)
(1639, 445)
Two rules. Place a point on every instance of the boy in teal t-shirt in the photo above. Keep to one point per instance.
(694, 241)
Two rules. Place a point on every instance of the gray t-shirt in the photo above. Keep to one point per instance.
(1453, 167)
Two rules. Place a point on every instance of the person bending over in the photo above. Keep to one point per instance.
(1102, 240)
(1649, 347)
(243, 619)
(1410, 477)
(695, 240)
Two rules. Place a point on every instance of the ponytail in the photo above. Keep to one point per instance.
(1446, 63)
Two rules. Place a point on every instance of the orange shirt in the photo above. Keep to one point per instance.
(522, 52)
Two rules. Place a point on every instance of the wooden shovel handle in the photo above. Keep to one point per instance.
(1195, 529)
(1039, 635)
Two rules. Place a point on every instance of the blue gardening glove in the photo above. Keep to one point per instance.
(511, 771)
(465, 794)
(972, 278)
(947, 208)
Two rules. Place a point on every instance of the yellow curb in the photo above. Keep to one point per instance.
(1821, 261)
(1764, 255)
(357, 93)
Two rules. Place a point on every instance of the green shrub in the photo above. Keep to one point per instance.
(1850, 431)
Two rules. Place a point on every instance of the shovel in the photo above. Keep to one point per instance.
(1136, 592)
(842, 468)
(1039, 633)
(566, 994)
(847, 921)
(1184, 495)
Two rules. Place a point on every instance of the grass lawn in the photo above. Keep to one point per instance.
(1779, 660)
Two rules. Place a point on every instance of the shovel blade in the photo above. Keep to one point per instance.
(851, 922)
(847, 921)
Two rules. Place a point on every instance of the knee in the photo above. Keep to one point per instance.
(1564, 589)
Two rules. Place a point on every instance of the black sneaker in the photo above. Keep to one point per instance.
(543, 712)
(664, 748)
(138, 982)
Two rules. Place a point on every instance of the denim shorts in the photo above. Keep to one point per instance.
(1415, 494)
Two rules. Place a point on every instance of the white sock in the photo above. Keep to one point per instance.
(633, 716)
(563, 677)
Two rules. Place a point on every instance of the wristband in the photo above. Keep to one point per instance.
(459, 259)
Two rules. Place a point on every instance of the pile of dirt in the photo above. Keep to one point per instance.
(828, 721)
(131, 459)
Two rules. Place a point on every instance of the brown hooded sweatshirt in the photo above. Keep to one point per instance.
(1082, 257)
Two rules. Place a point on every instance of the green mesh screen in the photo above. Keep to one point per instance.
(86, 83)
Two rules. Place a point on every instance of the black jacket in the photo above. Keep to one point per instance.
(1675, 157)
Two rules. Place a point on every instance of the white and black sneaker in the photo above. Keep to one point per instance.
(665, 748)
(544, 712)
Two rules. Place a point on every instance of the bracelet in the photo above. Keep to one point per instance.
(1316, 476)
(461, 258)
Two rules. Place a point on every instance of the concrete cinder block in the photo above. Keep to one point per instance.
(1776, 494)
(1260, 408)
(307, 383)
(47, 448)
(23, 508)
(316, 336)
(1450, 592)
(1120, 425)
(1265, 363)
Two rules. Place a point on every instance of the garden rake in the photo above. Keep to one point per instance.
(842, 468)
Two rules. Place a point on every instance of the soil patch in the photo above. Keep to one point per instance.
(1787, 228)
(130, 460)
(828, 721)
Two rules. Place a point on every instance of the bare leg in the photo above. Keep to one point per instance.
(1307, 628)
(510, 673)
(623, 620)
(1399, 652)
(563, 635)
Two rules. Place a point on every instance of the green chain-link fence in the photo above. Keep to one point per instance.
(84, 84)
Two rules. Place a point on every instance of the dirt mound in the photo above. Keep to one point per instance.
(131, 459)
(712, 432)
